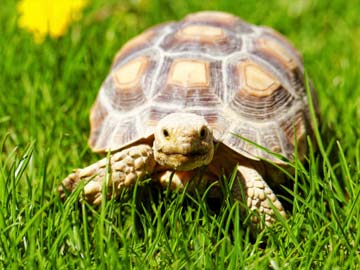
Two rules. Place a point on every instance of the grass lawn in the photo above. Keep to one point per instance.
(46, 92)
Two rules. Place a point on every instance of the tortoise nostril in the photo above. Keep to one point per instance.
(203, 132)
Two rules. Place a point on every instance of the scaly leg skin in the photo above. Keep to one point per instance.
(258, 195)
(126, 167)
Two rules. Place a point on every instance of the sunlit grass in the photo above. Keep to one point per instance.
(47, 90)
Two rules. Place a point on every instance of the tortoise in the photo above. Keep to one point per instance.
(187, 102)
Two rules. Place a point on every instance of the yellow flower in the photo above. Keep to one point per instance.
(52, 17)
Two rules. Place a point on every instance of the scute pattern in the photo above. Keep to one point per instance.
(256, 80)
(203, 38)
(141, 42)
(189, 73)
(188, 83)
(220, 19)
(243, 79)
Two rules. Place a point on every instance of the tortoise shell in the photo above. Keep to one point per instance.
(243, 79)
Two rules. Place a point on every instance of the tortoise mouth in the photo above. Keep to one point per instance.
(195, 153)
(184, 161)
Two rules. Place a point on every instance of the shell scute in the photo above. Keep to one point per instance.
(188, 82)
(116, 130)
(140, 42)
(245, 130)
(129, 75)
(256, 80)
(189, 73)
(98, 114)
(203, 33)
(126, 87)
(296, 131)
(220, 19)
(203, 38)
(256, 92)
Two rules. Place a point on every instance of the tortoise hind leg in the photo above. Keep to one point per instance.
(258, 195)
(126, 167)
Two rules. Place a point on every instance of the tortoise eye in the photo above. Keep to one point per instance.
(166, 133)
(203, 132)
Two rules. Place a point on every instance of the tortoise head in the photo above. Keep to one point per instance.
(183, 141)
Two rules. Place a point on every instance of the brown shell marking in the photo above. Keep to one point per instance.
(219, 19)
(257, 81)
(283, 42)
(129, 75)
(207, 32)
(276, 50)
(141, 41)
(188, 82)
(98, 115)
(125, 84)
(245, 130)
(189, 73)
(296, 131)
(202, 38)
(204, 33)
(213, 17)
(256, 92)
(112, 133)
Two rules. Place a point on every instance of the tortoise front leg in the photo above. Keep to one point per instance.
(258, 195)
(126, 167)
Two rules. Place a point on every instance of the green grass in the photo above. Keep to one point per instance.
(46, 93)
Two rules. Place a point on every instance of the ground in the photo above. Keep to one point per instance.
(47, 89)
